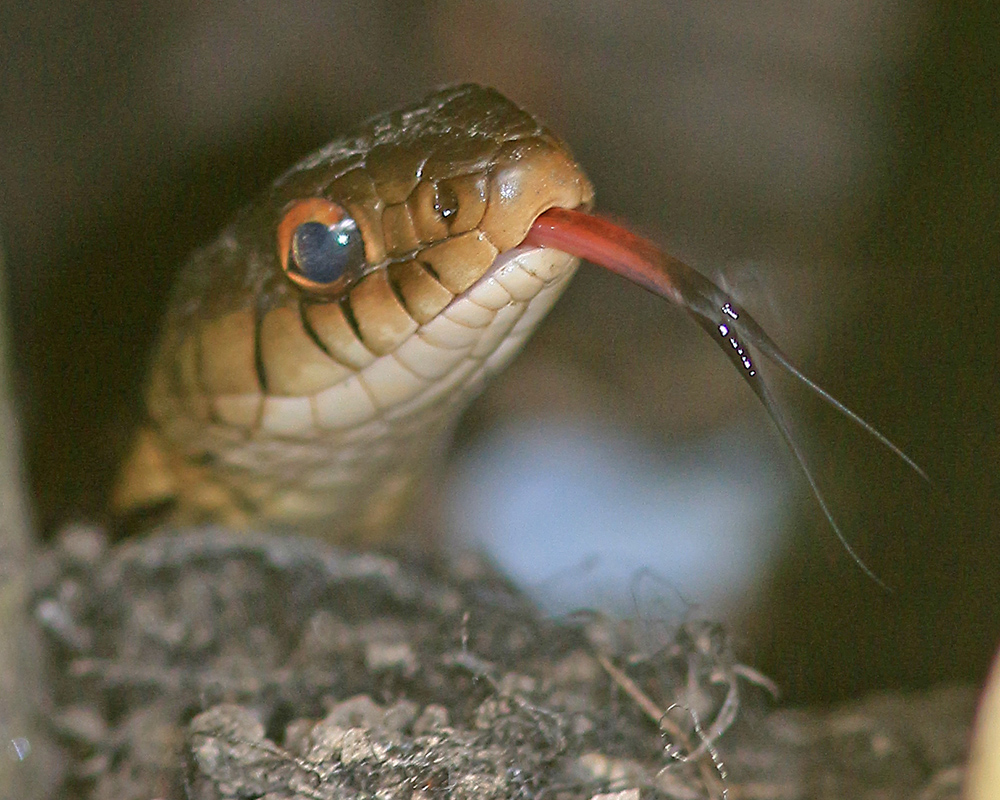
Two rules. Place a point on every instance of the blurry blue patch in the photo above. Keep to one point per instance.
(576, 514)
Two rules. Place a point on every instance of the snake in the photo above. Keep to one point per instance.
(315, 357)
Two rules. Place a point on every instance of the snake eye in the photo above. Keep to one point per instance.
(319, 245)
(322, 253)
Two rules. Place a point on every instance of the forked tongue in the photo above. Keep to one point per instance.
(733, 329)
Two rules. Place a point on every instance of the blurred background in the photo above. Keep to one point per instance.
(833, 163)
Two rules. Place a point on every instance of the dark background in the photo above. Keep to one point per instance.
(837, 161)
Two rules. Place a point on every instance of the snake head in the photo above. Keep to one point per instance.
(317, 353)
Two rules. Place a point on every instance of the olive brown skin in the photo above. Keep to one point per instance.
(315, 357)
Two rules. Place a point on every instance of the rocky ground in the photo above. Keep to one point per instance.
(209, 665)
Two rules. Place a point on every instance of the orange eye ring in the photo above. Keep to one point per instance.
(339, 239)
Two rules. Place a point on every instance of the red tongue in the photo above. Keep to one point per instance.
(610, 246)
(642, 262)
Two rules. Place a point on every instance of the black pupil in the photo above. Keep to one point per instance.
(323, 253)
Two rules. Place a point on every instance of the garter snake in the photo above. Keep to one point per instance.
(317, 354)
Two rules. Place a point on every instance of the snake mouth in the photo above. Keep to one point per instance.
(538, 272)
